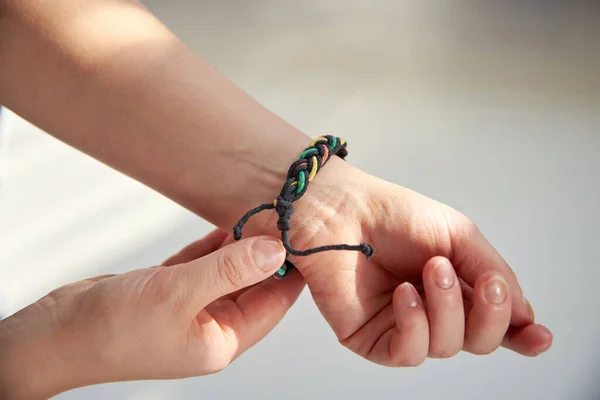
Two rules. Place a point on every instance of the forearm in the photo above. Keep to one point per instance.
(109, 79)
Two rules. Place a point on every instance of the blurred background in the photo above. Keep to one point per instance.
(490, 107)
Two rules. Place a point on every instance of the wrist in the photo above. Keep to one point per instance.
(263, 178)
(35, 361)
(326, 204)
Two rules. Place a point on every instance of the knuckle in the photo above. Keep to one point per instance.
(221, 362)
(475, 263)
(215, 363)
(358, 346)
(465, 229)
(57, 293)
(469, 226)
(219, 357)
(232, 269)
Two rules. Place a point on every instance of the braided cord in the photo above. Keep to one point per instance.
(300, 174)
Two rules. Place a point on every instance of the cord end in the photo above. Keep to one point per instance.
(367, 250)
(237, 232)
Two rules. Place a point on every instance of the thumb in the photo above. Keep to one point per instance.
(233, 267)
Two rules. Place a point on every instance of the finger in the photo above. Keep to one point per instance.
(445, 309)
(209, 243)
(530, 341)
(229, 269)
(475, 256)
(488, 320)
(257, 310)
(529, 308)
(409, 339)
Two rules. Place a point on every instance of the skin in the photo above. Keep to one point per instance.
(191, 316)
(136, 98)
(361, 298)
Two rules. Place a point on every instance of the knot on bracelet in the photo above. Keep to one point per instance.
(285, 210)
(300, 173)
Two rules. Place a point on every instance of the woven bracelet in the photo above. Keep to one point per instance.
(300, 173)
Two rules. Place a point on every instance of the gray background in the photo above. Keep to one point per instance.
(491, 108)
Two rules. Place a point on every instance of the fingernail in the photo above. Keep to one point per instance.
(543, 349)
(443, 274)
(408, 295)
(496, 290)
(268, 254)
(529, 308)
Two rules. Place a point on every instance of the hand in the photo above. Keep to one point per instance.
(192, 316)
(372, 305)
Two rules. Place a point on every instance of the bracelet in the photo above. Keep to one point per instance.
(300, 173)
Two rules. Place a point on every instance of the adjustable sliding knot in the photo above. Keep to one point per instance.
(285, 210)
(300, 173)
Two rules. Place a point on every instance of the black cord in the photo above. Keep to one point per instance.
(300, 173)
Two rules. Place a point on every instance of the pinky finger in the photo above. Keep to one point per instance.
(409, 342)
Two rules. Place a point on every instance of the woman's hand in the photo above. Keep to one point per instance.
(192, 316)
(469, 297)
